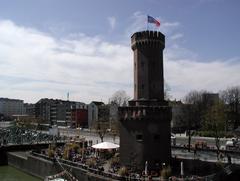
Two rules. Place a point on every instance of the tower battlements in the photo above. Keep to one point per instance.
(148, 39)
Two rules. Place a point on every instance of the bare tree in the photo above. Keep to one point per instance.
(115, 129)
(167, 90)
(231, 97)
(101, 128)
(214, 120)
(120, 98)
(101, 125)
(192, 112)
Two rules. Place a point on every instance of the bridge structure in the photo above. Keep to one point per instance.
(23, 139)
(20, 136)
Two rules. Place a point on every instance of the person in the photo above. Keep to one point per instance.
(221, 155)
(195, 150)
(229, 159)
(101, 169)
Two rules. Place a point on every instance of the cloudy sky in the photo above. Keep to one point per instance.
(51, 47)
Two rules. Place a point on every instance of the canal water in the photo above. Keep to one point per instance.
(8, 173)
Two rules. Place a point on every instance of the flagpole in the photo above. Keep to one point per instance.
(147, 22)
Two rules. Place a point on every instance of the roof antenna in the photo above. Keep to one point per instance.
(68, 96)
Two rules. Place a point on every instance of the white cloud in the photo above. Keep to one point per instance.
(112, 22)
(87, 67)
(185, 75)
(34, 65)
(138, 22)
(176, 36)
(171, 24)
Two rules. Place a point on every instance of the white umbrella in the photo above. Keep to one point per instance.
(105, 146)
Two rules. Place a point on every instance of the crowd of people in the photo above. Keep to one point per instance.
(83, 154)
(102, 162)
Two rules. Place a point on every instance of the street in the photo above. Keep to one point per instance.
(180, 140)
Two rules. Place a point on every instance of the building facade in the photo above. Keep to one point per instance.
(93, 112)
(10, 107)
(145, 131)
(79, 116)
(55, 111)
(29, 109)
(210, 98)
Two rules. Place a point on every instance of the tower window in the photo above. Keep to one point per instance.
(139, 137)
(156, 137)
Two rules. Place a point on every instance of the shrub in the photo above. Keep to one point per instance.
(91, 162)
(219, 164)
(74, 146)
(66, 153)
(50, 153)
(123, 171)
(166, 172)
(114, 161)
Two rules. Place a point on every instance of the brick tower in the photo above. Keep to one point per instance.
(145, 123)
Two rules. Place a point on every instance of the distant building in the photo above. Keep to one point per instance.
(79, 116)
(93, 112)
(55, 111)
(29, 109)
(177, 123)
(10, 107)
(210, 98)
(113, 114)
(5, 122)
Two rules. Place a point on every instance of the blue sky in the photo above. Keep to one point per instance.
(51, 47)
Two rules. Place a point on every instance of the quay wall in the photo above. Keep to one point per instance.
(23, 147)
(3, 156)
(41, 168)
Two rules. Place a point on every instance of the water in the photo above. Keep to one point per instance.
(8, 173)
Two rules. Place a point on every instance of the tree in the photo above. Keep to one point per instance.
(120, 98)
(192, 112)
(231, 97)
(196, 108)
(101, 126)
(214, 120)
(115, 130)
(167, 90)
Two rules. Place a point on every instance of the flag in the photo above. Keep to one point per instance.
(153, 20)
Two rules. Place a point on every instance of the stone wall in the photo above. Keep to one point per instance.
(3, 157)
(41, 168)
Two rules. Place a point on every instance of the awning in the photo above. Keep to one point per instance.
(105, 145)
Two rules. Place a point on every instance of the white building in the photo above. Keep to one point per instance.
(93, 108)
